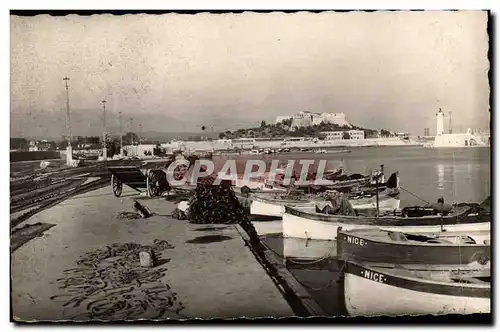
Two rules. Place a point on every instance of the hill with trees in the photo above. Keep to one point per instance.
(282, 130)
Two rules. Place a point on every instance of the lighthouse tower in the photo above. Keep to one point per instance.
(440, 123)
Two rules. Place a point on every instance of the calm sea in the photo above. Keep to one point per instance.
(456, 174)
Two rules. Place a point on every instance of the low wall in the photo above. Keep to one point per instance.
(274, 144)
(33, 155)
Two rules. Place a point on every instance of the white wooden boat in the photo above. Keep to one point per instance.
(307, 250)
(375, 291)
(267, 205)
(306, 223)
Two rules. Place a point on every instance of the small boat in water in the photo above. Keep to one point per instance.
(443, 249)
(339, 151)
(376, 291)
(320, 151)
(269, 205)
(340, 181)
(307, 223)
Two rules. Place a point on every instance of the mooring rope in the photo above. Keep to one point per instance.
(326, 256)
(409, 192)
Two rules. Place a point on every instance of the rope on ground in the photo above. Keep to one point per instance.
(110, 284)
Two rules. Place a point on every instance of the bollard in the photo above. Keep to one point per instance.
(146, 259)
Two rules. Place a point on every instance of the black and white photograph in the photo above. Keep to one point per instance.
(249, 165)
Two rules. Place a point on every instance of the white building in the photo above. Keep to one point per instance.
(281, 118)
(443, 140)
(356, 134)
(243, 143)
(306, 119)
(338, 135)
(333, 135)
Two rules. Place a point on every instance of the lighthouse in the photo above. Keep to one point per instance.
(440, 123)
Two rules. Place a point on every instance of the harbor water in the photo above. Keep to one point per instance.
(456, 174)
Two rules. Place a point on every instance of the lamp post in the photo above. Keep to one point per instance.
(104, 148)
(121, 134)
(69, 149)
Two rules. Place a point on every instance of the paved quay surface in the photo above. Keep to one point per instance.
(217, 279)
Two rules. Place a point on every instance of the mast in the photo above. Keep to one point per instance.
(381, 175)
(376, 194)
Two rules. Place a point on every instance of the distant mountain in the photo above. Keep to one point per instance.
(167, 136)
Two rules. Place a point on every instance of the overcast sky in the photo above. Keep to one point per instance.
(175, 72)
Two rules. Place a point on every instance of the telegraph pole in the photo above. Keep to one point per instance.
(132, 129)
(139, 138)
(121, 134)
(104, 148)
(449, 129)
(69, 149)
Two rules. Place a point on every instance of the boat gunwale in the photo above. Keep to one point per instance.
(272, 200)
(453, 219)
(409, 242)
(416, 284)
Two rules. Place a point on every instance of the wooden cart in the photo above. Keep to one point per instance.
(149, 180)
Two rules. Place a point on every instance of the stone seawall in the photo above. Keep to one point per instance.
(224, 146)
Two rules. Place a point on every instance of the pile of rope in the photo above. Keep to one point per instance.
(220, 205)
(111, 285)
(215, 205)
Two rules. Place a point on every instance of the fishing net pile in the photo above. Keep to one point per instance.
(216, 205)
(110, 284)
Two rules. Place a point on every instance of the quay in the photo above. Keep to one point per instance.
(210, 268)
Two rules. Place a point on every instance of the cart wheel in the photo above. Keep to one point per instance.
(245, 190)
(116, 185)
(153, 185)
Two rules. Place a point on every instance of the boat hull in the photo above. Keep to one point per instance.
(367, 292)
(276, 208)
(386, 203)
(361, 247)
(306, 225)
(302, 249)
(264, 207)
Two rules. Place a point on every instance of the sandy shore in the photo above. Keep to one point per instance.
(213, 279)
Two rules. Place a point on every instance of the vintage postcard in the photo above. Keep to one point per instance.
(249, 165)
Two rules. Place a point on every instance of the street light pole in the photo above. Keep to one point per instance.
(132, 133)
(69, 149)
(139, 139)
(121, 134)
(140, 133)
(104, 148)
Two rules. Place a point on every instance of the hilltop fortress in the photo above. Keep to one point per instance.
(307, 119)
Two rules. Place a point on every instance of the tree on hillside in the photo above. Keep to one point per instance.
(130, 138)
(18, 143)
(385, 133)
(287, 122)
(263, 124)
(222, 135)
